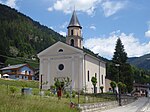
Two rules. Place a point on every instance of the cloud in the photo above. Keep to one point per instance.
(67, 6)
(50, 9)
(62, 33)
(105, 46)
(10, 3)
(112, 7)
(92, 27)
(51, 27)
(109, 7)
(147, 33)
(64, 25)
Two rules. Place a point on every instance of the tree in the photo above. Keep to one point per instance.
(61, 84)
(124, 88)
(113, 85)
(101, 87)
(13, 89)
(120, 86)
(120, 56)
(22, 36)
(94, 82)
(123, 72)
(126, 75)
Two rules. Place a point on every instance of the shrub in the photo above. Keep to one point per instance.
(113, 85)
(47, 93)
(73, 95)
(67, 95)
(35, 92)
(12, 89)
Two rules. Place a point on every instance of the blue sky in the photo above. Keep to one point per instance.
(103, 21)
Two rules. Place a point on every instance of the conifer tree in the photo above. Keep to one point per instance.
(120, 56)
(123, 72)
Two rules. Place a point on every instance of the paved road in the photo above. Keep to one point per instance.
(141, 105)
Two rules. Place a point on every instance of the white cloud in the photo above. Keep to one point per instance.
(62, 33)
(92, 27)
(10, 3)
(51, 28)
(111, 7)
(64, 25)
(147, 33)
(67, 6)
(50, 9)
(105, 46)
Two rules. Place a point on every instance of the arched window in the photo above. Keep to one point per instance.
(71, 32)
(60, 50)
(80, 43)
(88, 76)
(102, 79)
(72, 42)
(95, 75)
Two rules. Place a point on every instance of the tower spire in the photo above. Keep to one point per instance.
(74, 22)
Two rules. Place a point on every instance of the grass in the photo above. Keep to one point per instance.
(20, 83)
(18, 60)
(15, 102)
(32, 103)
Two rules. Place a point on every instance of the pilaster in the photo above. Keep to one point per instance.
(72, 72)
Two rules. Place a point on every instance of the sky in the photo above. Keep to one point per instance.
(103, 21)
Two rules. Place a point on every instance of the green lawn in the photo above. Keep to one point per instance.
(33, 103)
(16, 102)
(20, 83)
(18, 60)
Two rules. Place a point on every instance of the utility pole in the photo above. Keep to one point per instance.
(119, 89)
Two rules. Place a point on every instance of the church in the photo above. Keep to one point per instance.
(72, 60)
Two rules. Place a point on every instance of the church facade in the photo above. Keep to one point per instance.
(71, 60)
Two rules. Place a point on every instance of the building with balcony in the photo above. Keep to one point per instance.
(20, 71)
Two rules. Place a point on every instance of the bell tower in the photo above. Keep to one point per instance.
(74, 37)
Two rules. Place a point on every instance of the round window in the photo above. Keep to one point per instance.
(60, 50)
(61, 67)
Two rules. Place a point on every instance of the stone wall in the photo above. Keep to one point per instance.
(98, 106)
(95, 107)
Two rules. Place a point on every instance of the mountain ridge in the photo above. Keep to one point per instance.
(140, 62)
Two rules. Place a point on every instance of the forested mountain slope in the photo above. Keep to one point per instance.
(20, 36)
(141, 62)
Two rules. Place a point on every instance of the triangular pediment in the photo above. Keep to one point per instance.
(60, 48)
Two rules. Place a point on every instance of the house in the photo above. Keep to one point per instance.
(141, 89)
(20, 71)
(107, 85)
(71, 59)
